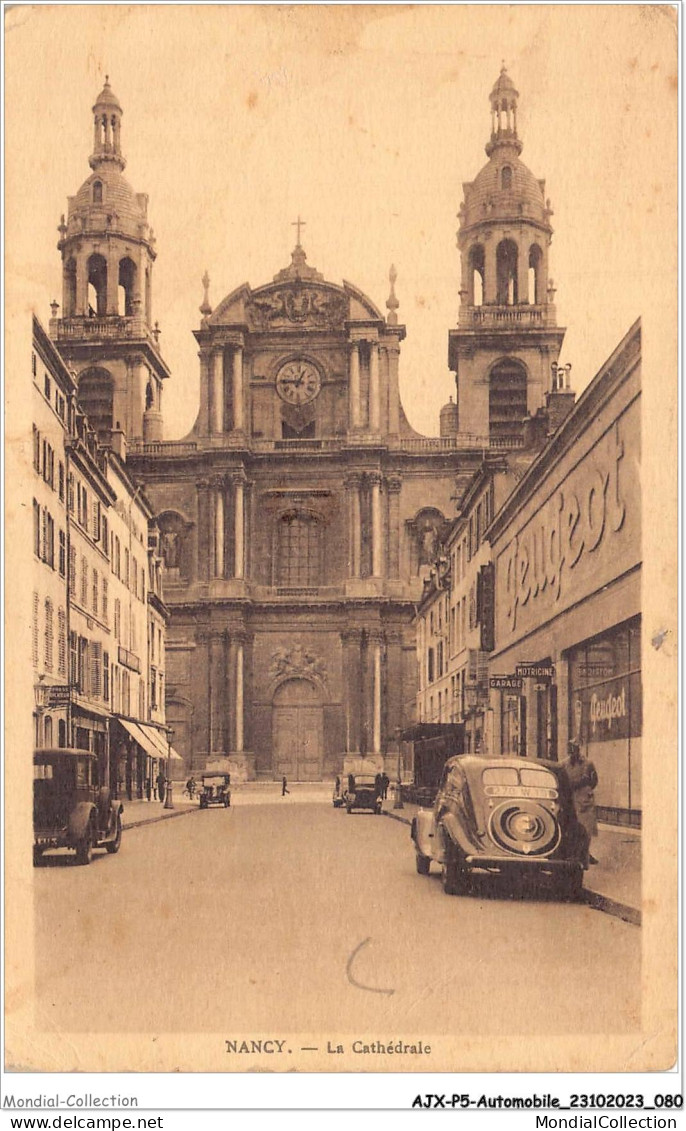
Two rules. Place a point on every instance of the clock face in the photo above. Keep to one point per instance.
(298, 382)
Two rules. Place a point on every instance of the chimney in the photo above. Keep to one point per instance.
(560, 400)
(118, 442)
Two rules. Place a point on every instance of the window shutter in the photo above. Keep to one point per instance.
(62, 643)
(48, 635)
(34, 635)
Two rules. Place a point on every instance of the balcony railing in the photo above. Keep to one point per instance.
(502, 316)
(462, 441)
(102, 326)
(162, 448)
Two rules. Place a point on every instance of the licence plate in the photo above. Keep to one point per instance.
(521, 791)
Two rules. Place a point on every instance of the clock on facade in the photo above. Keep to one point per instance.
(298, 382)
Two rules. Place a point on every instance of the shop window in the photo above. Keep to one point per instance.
(605, 714)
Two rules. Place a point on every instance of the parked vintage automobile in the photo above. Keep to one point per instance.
(72, 806)
(363, 793)
(215, 790)
(511, 817)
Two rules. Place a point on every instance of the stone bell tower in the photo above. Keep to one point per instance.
(106, 330)
(507, 338)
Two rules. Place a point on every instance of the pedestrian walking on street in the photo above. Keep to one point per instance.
(161, 782)
(284, 786)
(583, 779)
(386, 782)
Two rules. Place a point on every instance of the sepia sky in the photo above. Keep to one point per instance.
(365, 120)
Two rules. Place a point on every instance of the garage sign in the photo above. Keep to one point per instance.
(506, 682)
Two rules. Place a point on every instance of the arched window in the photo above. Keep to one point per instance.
(507, 405)
(127, 282)
(97, 285)
(506, 177)
(507, 255)
(299, 550)
(97, 192)
(535, 274)
(476, 275)
(96, 398)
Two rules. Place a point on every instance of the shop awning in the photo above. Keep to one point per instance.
(151, 740)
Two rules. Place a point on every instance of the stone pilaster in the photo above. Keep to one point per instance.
(375, 480)
(217, 392)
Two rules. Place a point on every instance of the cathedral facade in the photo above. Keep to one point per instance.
(300, 515)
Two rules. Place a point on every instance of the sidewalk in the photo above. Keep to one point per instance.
(612, 885)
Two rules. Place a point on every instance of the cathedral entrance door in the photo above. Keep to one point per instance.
(297, 731)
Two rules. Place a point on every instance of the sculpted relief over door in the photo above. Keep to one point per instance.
(297, 731)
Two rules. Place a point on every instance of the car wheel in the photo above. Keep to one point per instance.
(37, 855)
(226, 802)
(203, 803)
(113, 846)
(349, 808)
(84, 849)
(454, 878)
(423, 864)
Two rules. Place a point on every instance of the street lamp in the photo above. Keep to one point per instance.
(168, 800)
(398, 803)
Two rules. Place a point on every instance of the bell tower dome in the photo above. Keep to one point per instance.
(507, 338)
(106, 330)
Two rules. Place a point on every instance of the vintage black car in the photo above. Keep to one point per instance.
(510, 817)
(363, 792)
(72, 805)
(215, 790)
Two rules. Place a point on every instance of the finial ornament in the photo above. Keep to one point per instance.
(392, 303)
(206, 309)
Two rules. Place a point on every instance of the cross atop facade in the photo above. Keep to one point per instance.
(298, 224)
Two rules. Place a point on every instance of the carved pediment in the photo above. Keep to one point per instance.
(297, 305)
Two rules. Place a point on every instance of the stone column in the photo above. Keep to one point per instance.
(237, 375)
(393, 350)
(375, 645)
(217, 392)
(354, 385)
(352, 485)
(205, 524)
(523, 275)
(377, 540)
(374, 395)
(392, 716)
(352, 654)
(218, 492)
(239, 696)
(490, 282)
(112, 295)
(238, 525)
(393, 486)
(81, 285)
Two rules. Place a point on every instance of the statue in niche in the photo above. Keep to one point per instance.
(428, 545)
(170, 549)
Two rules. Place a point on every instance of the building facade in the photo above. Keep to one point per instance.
(52, 400)
(567, 552)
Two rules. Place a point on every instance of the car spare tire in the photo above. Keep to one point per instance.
(524, 827)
